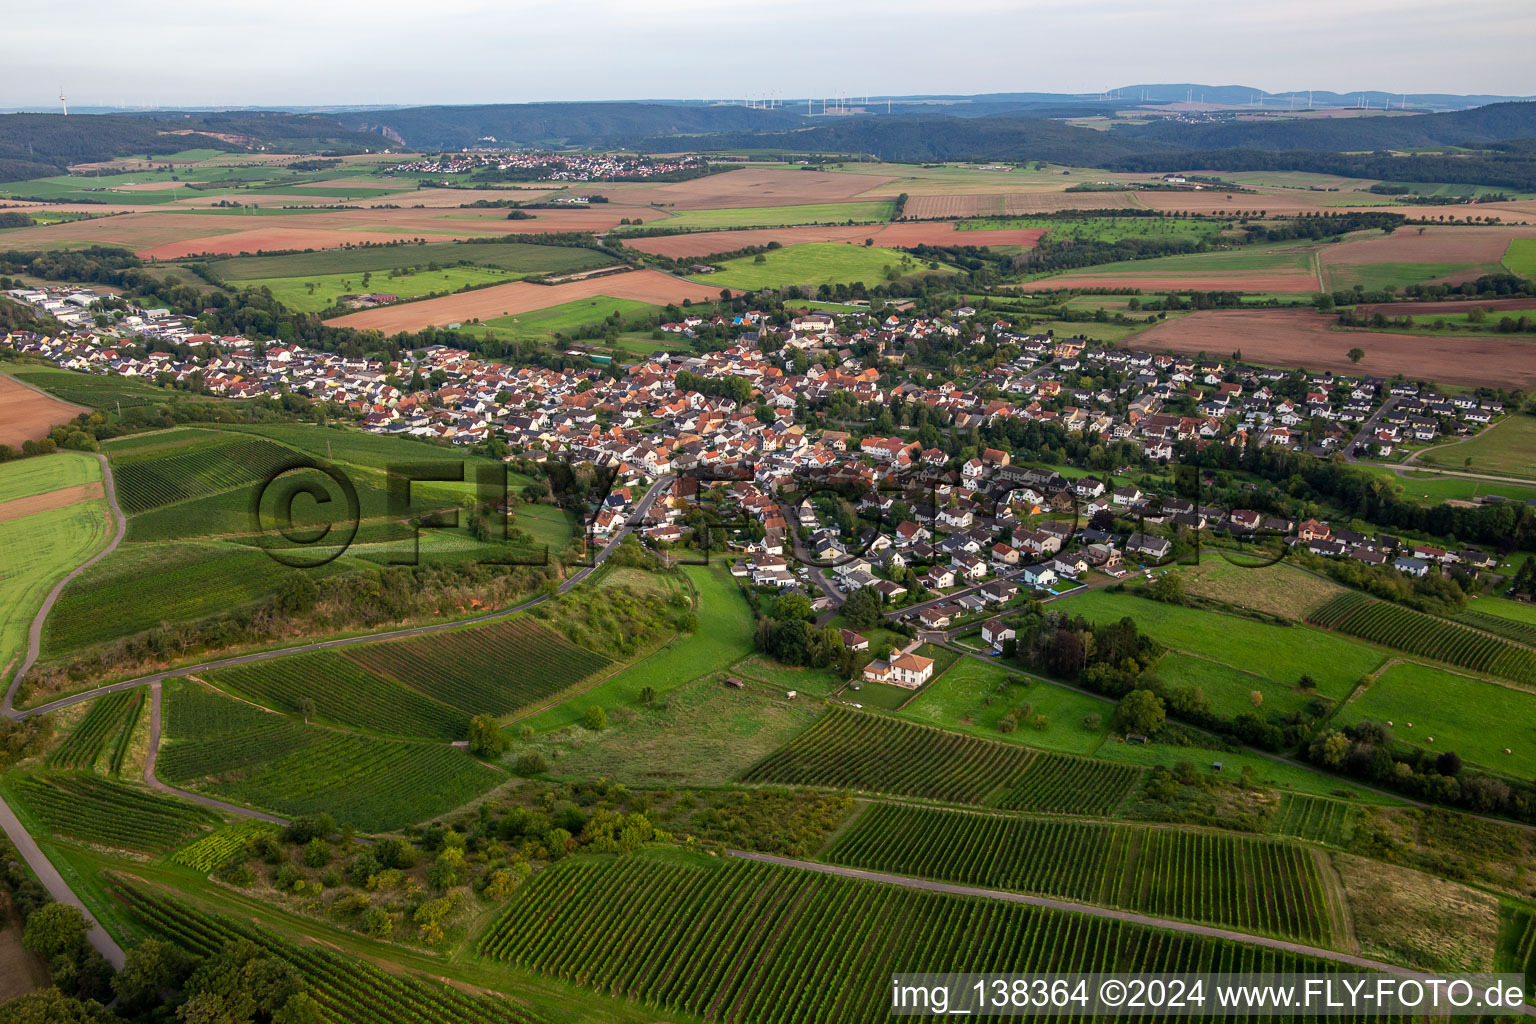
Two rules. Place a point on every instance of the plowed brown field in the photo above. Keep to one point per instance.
(1300, 338)
(521, 297)
(26, 415)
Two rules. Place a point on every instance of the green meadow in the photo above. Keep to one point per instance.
(817, 263)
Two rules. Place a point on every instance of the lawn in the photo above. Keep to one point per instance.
(816, 263)
(967, 699)
(724, 637)
(776, 216)
(1476, 719)
(1506, 448)
(1520, 257)
(1280, 653)
(1519, 611)
(40, 550)
(311, 294)
(514, 256)
(1228, 689)
(1435, 489)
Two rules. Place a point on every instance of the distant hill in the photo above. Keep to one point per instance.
(37, 145)
(560, 124)
(1494, 123)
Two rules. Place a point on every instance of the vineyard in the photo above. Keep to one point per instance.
(1392, 625)
(110, 720)
(211, 734)
(1062, 784)
(743, 943)
(1517, 944)
(374, 784)
(494, 669)
(877, 754)
(108, 813)
(343, 693)
(216, 850)
(161, 478)
(852, 750)
(1314, 818)
(350, 990)
(1520, 632)
(1257, 885)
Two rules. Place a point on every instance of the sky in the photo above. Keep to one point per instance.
(398, 52)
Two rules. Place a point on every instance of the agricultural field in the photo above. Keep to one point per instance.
(1520, 257)
(344, 693)
(1249, 884)
(726, 941)
(1513, 629)
(115, 598)
(1291, 338)
(974, 696)
(1506, 448)
(218, 848)
(1281, 268)
(41, 548)
(493, 669)
(567, 316)
(878, 754)
(817, 263)
(1374, 277)
(1427, 636)
(1278, 589)
(104, 730)
(28, 478)
(380, 260)
(1438, 711)
(347, 988)
(870, 212)
(99, 811)
(27, 414)
(219, 462)
(234, 750)
(322, 291)
(1279, 654)
(88, 390)
(1319, 820)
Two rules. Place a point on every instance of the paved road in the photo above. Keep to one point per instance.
(1362, 438)
(35, 636)
(246, 659)
(55, 884)
(1127, 916)
(153, 783)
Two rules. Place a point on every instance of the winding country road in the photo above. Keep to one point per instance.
(35, 635)
(1129, 917)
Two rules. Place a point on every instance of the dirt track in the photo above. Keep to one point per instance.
(1301, 338)
(521, 297)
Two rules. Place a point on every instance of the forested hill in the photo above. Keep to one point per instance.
(37, 145)
(1494, 123)
(911, 139)
(562, 124)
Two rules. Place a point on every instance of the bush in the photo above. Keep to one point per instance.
(595, 720)
(378, 923)
(531, 762)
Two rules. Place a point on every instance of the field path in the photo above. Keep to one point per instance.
(35, 635)
(1128, 917)
(56, 886)
(153, 783)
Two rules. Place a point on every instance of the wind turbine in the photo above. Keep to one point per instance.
(63, 102)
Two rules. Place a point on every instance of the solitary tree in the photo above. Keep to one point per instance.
(307, 708)
(1356, 354)
(1141, 711)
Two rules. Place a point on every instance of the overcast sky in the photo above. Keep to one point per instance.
(164, 52)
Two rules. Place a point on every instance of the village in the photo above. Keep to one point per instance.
(946, 532)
